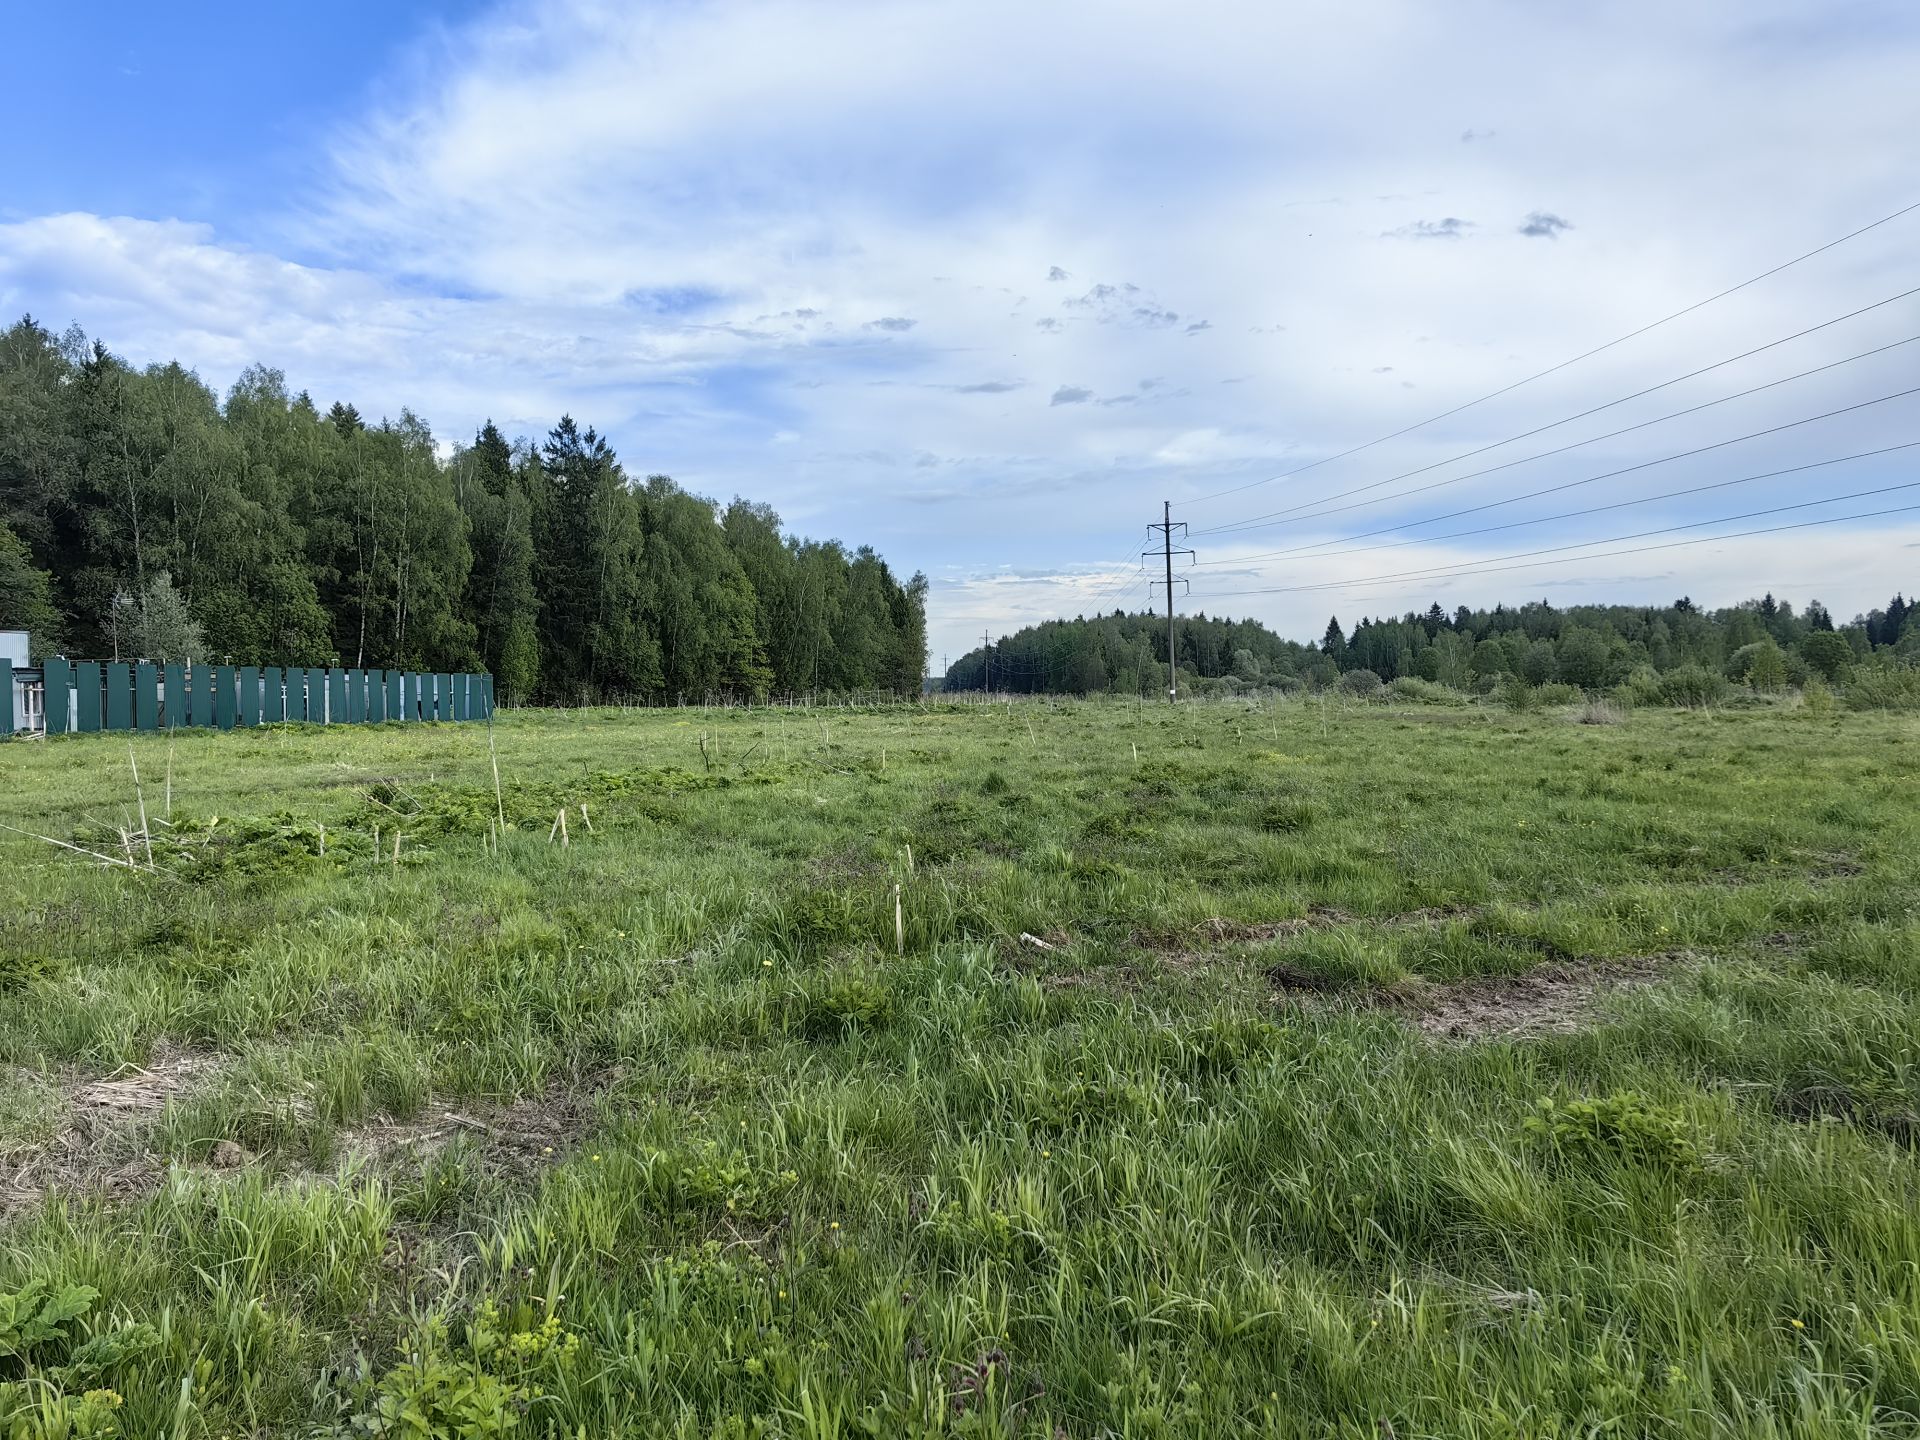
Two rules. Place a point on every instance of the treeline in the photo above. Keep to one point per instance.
(142, 516)
(1123, 653)
(1764, 643)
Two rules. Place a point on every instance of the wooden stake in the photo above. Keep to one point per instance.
(899, 927)
(323, 839)
(396, 849)
(554, 829)
(498, 804)
(585, 819)
(909, 859)
(169, 773)
(146, 831)
(563, 827)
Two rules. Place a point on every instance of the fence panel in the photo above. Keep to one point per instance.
(200, 686)
(173, 697)
(226, 692)
(273, 695)
(376, 696)
(119, 695)
(86, 696)
(249, 695)
(6, 696)
(146, 696)
(59, 675)
(316, 695)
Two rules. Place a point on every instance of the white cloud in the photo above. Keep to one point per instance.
(709, 228)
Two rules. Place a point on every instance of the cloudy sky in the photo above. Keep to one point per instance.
(984, 284)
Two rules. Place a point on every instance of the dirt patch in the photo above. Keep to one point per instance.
(1557, 999)
(530, 1134)
(100, 1147)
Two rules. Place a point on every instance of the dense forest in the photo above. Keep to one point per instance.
(1763, 643)
(141, 515)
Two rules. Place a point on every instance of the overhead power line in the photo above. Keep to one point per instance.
(1493, 566)
(1319, 552)
(1293, 515)
(1562, 365)
(1610, 474)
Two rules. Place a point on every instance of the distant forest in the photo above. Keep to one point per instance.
(143, 516)
(1763, 643)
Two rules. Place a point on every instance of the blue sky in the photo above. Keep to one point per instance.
(983, 284)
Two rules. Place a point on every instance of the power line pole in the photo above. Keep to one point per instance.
(1168, 550)
(986, 644)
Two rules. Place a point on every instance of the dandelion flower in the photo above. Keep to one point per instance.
(1796, 1324)
(836, 1225)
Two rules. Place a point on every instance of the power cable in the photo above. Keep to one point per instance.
(1319, 550)
(1492, 566)
(1293, 515)
(1552, 369)
(1623, 470)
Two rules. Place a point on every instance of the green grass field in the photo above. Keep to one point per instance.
(1369, 1071)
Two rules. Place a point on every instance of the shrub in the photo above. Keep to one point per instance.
(1884, 687)
(1693, 686)
(1817, 695)
(1363, 683)
(1517, 695)
(1556, 692)
(1599, 712)
(1422, 692)
(1641, 687)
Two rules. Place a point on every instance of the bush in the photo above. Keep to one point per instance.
(1599, 712)
(1641, 687)
(1884, 687)
(1363, 683)
(1556, 692)
(1692, 686)
(1422, 692)
(1517, 695)
(1817, 696)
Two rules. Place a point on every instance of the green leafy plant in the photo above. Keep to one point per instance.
(38, 1313)
(477, 1386)
(1625, 1126)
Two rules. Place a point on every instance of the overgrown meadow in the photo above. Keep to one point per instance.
(1044, 1070)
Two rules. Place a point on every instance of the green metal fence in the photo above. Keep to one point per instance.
(91, 696)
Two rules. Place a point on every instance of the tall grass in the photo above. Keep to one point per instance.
(657, 1135)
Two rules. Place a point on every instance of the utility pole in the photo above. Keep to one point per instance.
(1168, 550)
(986, 644)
